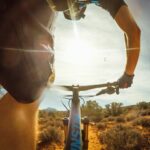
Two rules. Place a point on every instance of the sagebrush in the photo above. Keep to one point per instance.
(121, 138)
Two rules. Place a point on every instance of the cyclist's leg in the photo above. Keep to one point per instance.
(18, 120)
(18, 124)
(24, 75)
(17, 127)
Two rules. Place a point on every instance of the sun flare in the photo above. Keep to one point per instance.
(78, 51)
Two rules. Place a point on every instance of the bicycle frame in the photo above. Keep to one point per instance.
(74, 136)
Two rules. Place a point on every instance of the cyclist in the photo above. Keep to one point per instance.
(26, 59)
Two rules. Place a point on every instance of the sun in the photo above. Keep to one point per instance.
(78, 51)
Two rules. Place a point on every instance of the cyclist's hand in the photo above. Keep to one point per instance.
(125, 80)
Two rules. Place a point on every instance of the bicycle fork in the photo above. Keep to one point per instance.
(85, 132)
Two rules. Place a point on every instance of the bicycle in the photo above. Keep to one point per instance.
(75, 137)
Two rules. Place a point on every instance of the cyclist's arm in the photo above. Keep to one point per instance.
(132, 37)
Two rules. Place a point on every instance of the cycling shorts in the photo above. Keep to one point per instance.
(26, 52)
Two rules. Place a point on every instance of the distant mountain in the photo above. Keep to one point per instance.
(50, 109)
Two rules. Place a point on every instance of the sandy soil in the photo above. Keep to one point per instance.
(93, 140)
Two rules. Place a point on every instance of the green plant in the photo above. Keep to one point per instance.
(113, 109)
(143, 105)
(121, 138)
(92, 110)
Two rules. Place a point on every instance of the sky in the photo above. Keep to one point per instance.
(92, 51)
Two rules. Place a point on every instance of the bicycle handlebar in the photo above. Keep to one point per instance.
(111, 88)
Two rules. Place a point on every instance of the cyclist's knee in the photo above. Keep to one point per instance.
(15, 119)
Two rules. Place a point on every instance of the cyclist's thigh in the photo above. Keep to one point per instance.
(18, 124)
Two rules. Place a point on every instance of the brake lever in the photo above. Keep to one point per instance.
(109, 90)
(103, 91)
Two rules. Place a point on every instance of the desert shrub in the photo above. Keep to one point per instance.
(121, 138)
(144, 122)
(143, 105)
(104, 120)
(95, 118)
(145, 112)
(146, 141)
(93, 110)
(113, 109)
(111, 118)
(131, 117)
(50, 135)
(42, 120)
(136, 122)
(120, 119)
(101, 126)
(50, 121)
(59, 124)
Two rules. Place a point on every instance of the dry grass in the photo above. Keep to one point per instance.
(108, 134)
(121, 138)
(144, 122)
(101, 126)
(120, 119)
(50, 132)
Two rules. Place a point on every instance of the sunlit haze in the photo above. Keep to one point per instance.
(92, 51)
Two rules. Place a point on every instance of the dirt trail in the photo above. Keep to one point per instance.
(93, 140)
